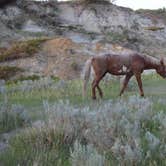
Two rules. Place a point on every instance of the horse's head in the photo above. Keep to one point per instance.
(162, 69)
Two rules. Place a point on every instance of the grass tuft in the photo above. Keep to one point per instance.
(6, 72)
(22, 49)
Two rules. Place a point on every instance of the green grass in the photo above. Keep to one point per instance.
(154, 86)
(10, 120)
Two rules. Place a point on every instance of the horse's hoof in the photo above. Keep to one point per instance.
(142, 95)
(120, 95)
(94, 98)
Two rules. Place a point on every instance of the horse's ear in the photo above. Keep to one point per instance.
(162, 61)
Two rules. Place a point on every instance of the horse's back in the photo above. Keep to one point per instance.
(112, 62)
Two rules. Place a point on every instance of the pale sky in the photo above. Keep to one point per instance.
(138, 4)
(142, 4)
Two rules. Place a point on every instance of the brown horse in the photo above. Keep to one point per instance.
(134, 64)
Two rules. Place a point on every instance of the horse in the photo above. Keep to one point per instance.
(129, 64)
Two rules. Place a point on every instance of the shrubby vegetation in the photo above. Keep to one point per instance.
(12, 117)
(21, 49)
(129, 132)
(7, 71)
(75, 131)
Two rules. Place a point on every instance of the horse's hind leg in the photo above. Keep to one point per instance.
(139, 81)
(100, 91)
(98, 87)
(125, 83)
(94, 89)
(95, 84)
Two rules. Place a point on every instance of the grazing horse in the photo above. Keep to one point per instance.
(134, 64)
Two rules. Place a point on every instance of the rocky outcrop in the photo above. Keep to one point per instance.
(62, 57)
(118, 25)
(93, 21)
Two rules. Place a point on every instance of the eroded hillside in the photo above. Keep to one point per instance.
(74, 32)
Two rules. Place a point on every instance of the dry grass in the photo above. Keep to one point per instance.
(154, 28)
(21, 49)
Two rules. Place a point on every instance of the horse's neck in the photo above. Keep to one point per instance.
(151, 62)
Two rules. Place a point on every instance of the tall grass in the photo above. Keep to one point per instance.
(74, 131)
(12, 117)
(124, 132)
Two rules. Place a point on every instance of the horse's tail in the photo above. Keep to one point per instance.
(86, 75)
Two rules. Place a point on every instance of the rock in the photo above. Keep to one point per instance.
(118, 23)
(31, 26)
(11, 16)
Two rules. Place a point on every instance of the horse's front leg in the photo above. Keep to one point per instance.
(139, 81)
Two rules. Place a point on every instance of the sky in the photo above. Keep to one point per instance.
(138, 4)
(142, 4)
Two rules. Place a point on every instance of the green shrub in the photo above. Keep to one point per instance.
(23, 78)
(7, 71)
